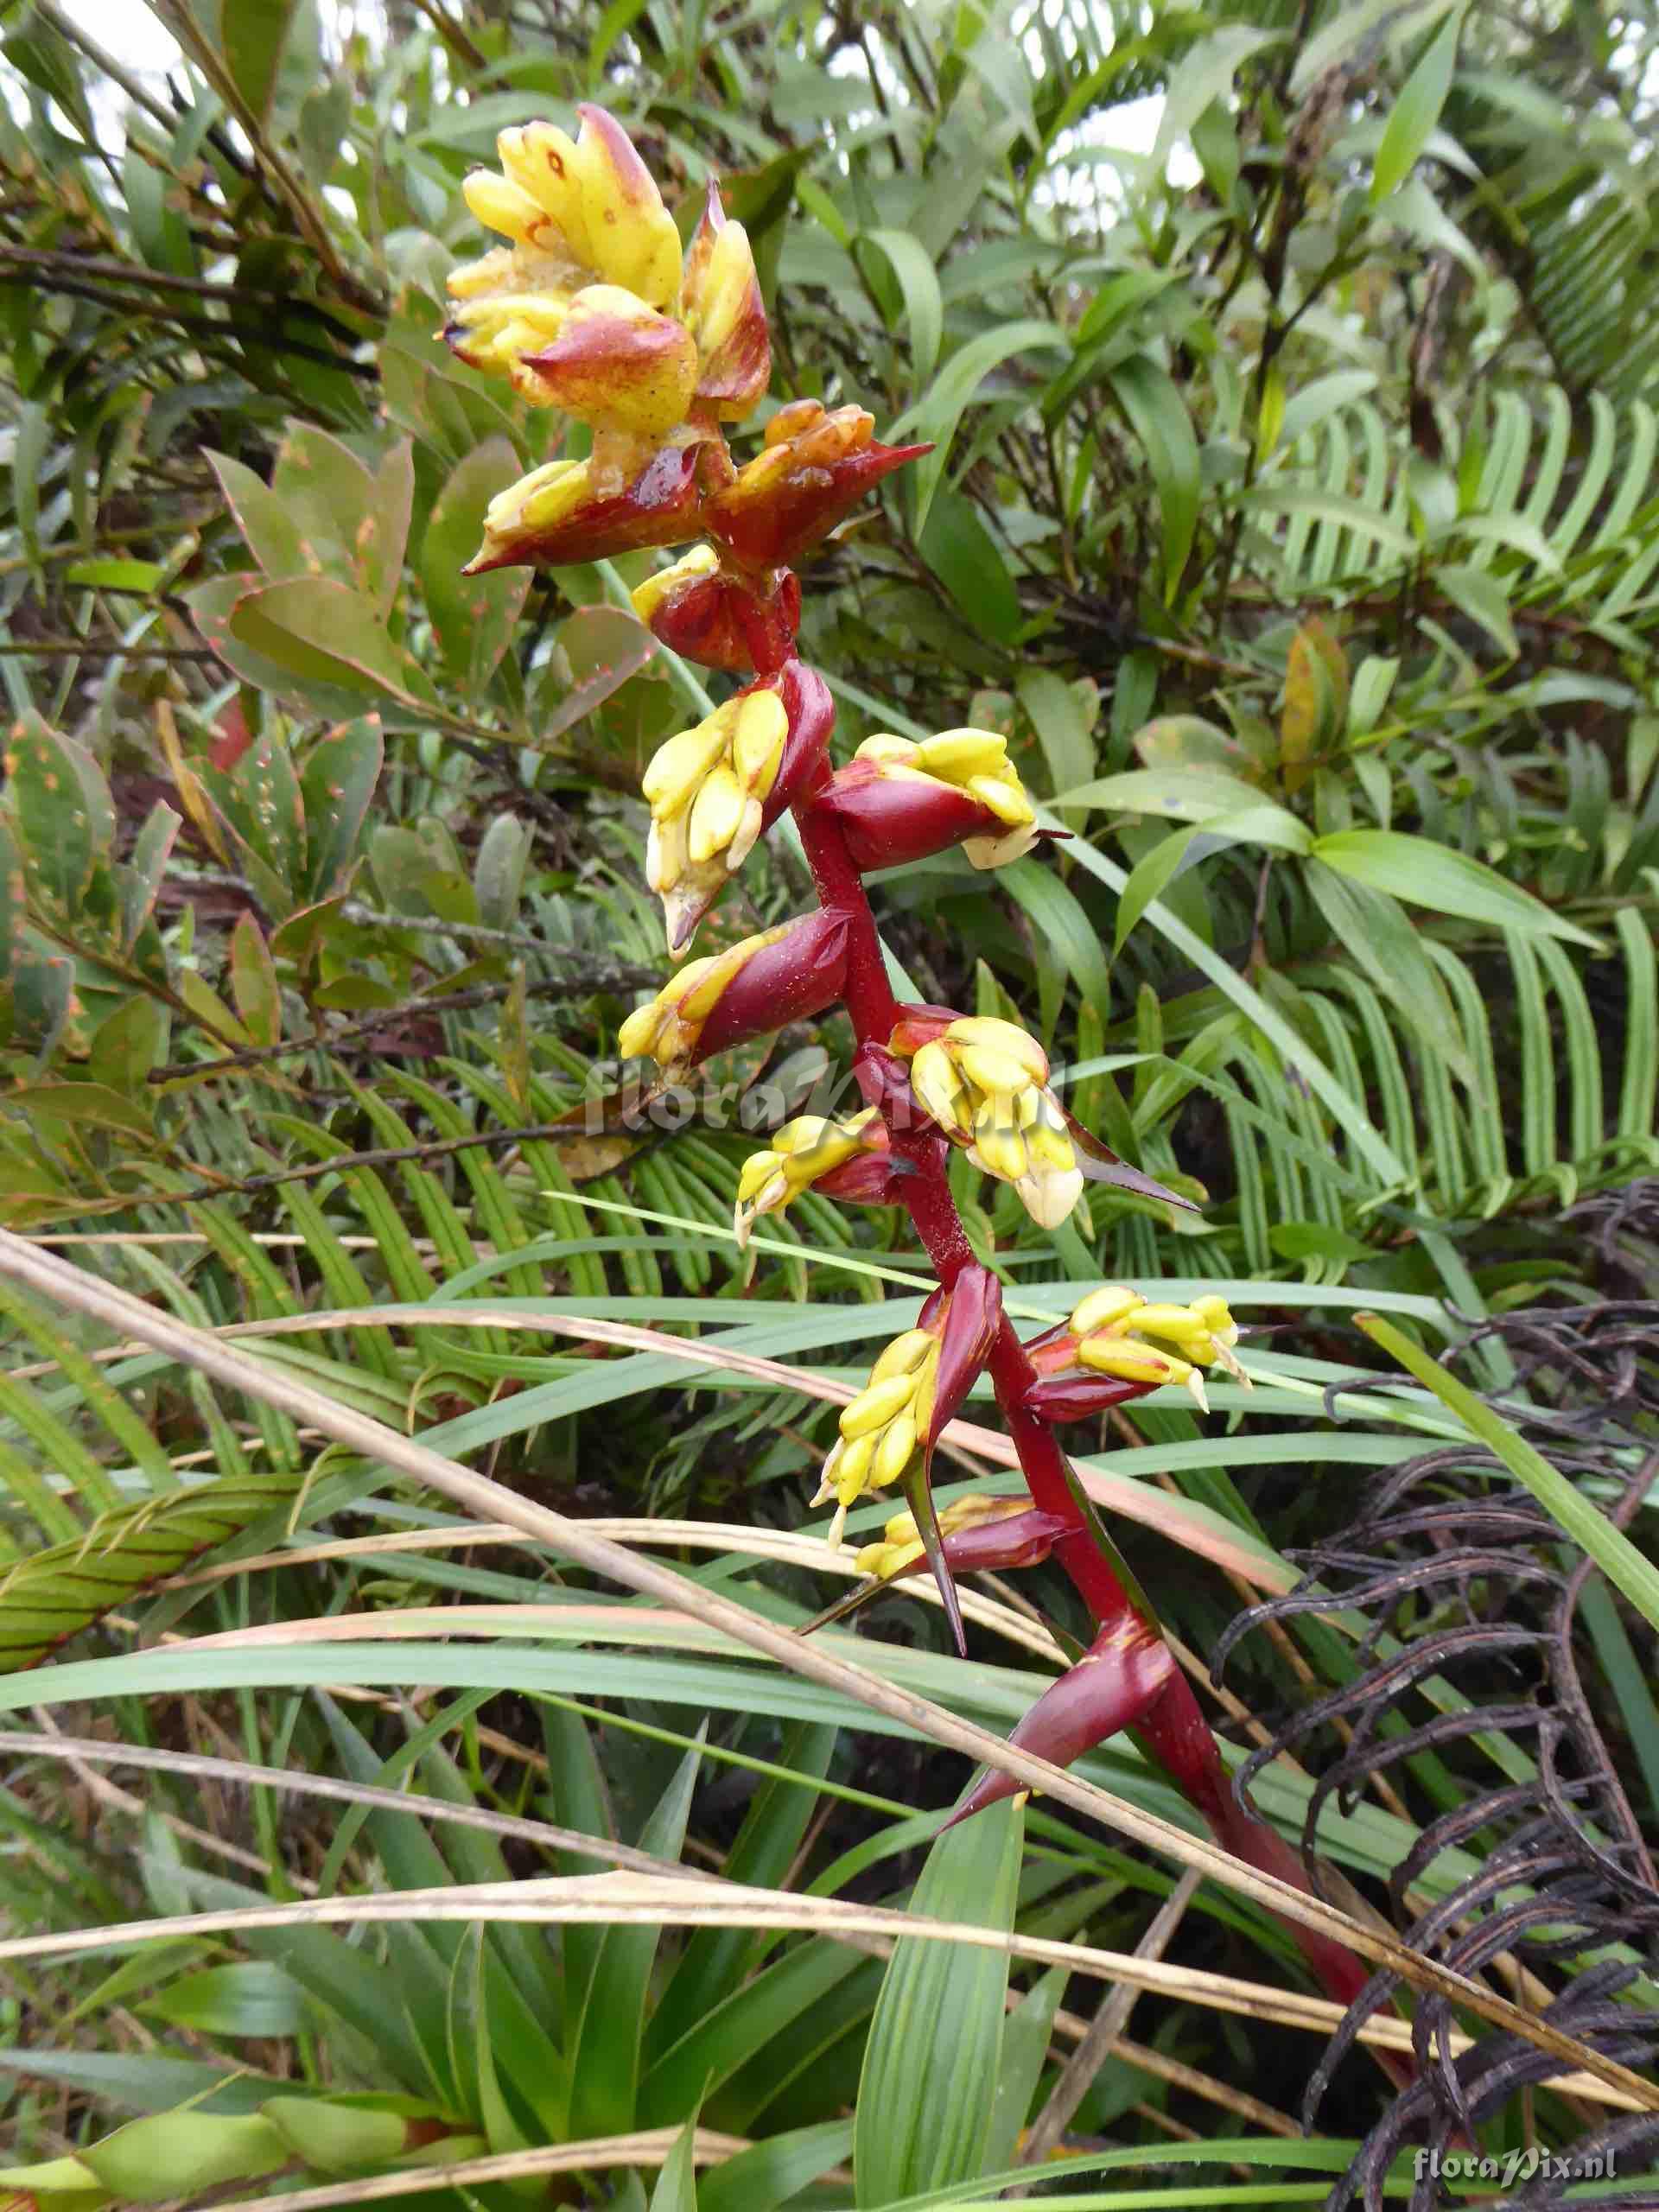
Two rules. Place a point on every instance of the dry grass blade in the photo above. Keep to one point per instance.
(59, 1281)
(681, 1900)
(646, 2146)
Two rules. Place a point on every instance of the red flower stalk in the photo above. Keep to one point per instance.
(591, 305)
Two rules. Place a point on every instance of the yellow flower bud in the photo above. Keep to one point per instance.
(800, 1154)
(707, 789)
(702, 561)
(881, 1430)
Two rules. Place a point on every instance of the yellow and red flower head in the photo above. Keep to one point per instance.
(889, 1432)
(898, 802)
(783, 975)
(814, 467)
(851, 1159)
(1119, 1344)
(985, 1083)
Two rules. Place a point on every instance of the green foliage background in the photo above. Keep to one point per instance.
(1294, 507)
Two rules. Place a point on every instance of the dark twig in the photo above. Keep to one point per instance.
(597, 978)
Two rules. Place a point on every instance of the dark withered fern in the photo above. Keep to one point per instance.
(1466, 1586)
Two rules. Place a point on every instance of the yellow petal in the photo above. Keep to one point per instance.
(1103, 1307)
(853, 1468)
(875, 1406)
(702, 561)
(1000, 1149)
(716, 812)
(1004, 798)
(757, 1171)
(893, 1453)
(956, 754)
(541, 160)
(1048, 1193)
(758, 740)
(500, 205)
(1002, 1037)
(934, 1079)
(678, 766)
(637, 1034)
(996, 1073)
(904, 1355)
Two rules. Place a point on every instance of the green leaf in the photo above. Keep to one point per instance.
(1375, 932)
(181, 2153)
(604, 2055)
(1184, 794)
(1426, 873)
(954, 390)
(51, 1595)
(62, 815)
(1480, 595)
(1062, 717)
(1205, 73)
(498, 872)
(252, 34)
(127, 1045)
(968, 561)
(1172, 856)
(934, 2055)
(325, 632)
(272, 535)
(252, 1998)
(472, 617)
(254, 987)
(1025, 2051)
(1589, 1528)
(912, 265)
(115, 575)
(677, 2185)
(1159, 419)
(1417, 111)
(1063, 930)
(341, 773)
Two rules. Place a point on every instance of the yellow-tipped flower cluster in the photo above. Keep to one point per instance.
(1112, 1327)
(987, 1081)
(579, 214)
(707, 789)
(901, 1545)
(812, 1145)
(974, 762)
(882, 1430)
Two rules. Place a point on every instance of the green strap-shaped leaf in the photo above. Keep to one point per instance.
(934, 2056)
(52, 1595)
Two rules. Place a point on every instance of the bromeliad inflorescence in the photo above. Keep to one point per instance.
(591, 307)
